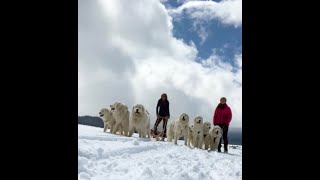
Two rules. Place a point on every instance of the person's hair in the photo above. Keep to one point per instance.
(223, 98)
(165, 95)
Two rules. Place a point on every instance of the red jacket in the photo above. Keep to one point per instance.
(222, 115)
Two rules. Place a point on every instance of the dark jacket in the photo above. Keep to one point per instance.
(164, 108)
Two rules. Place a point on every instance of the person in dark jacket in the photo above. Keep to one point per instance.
(222, 117)
(163, 113)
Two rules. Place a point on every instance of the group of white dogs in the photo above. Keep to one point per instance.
(197, 135)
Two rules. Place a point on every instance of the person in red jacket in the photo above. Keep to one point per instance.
(222, 117)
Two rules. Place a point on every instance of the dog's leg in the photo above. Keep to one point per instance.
(148, 133)
(111, 128)
(211, 143)
(214, 146)
(126, 131)
(121, 129)
(139, 132)
(195, 140)
(115, 127)
(108, 127)
(190, 141)
(206, 143)
(200, 143)
(142, 133)
(162, 135)
(105, 127)
(176, 136)
(125, 128)
(131, 130)
(145, 132)
(185, 137)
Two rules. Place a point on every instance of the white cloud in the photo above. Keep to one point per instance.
(227, 11)
(127, 53)
(239, 60)
(201, 30)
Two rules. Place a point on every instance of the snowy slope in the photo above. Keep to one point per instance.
(103, 156)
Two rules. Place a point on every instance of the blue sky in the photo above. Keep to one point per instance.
(224, 39)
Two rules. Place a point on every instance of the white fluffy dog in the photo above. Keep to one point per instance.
(170, 130)
(215, 135)
(108, 119)
(198, 132)
(206, 135)
(121, 115)
(190, 135)
(181, 128)
(140, 121)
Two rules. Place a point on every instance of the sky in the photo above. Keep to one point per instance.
(133, 51)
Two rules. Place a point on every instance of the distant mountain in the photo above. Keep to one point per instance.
(235, 137)
(90, 121)
(234, 134)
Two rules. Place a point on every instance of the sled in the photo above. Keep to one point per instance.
(159, 137)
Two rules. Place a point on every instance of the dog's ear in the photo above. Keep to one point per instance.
(142, 107)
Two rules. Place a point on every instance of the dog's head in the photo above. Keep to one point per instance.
(184, 118)
(138, 109)
(118, 106)
(191, 128)
(198, 120)
(216, 131)
(112, 107)
(206, 126)
(104, 112)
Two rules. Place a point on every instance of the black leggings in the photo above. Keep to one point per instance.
(225, 129)
(164, 124)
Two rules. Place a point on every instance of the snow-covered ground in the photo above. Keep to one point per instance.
(104, 156)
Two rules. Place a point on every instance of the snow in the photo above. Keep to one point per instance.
(103, 156)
